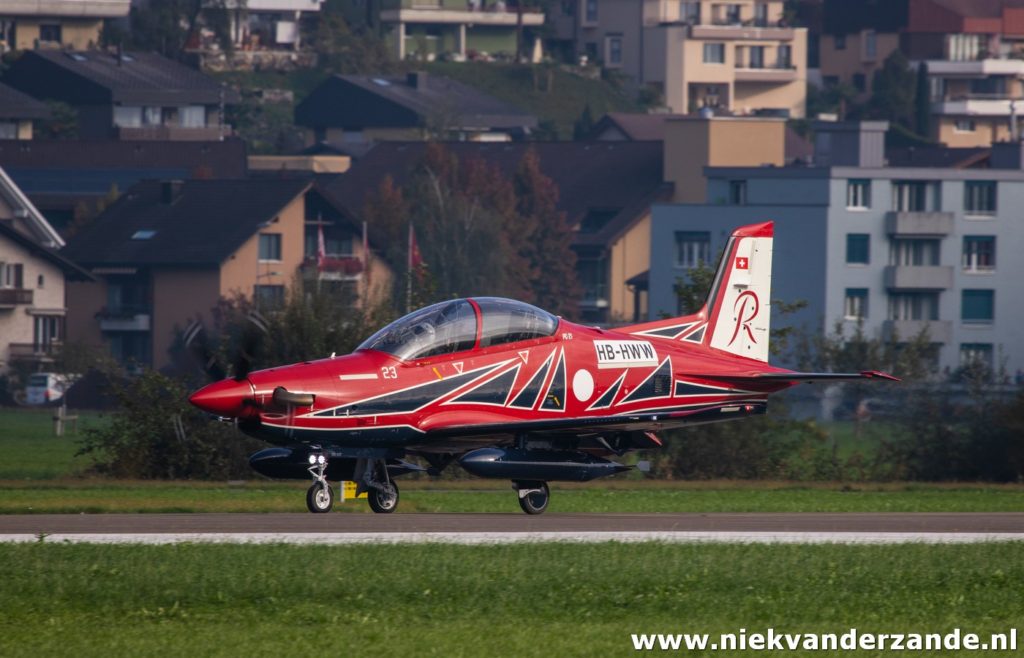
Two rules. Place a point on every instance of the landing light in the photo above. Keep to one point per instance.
(312, 459)
(320, 459)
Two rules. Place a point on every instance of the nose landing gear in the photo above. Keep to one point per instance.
(320, 496)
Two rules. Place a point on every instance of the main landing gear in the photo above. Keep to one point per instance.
(533, 496)
(371, 476)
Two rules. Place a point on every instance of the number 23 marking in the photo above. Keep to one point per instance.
(389, 372)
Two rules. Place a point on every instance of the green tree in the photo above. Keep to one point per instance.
(62, 123)
(584, 125)
(893, 91)
(343, 49)
(170, 26)
(922, 102)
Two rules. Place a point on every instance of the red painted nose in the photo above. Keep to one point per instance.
(225, 398)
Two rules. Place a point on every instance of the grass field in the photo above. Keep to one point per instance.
(30, 451)
(522, 600)
(99, 496)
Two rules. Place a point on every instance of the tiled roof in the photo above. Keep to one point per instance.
(16, 105)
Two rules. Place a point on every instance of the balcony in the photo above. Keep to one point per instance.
(42, 352)
(729, 32)
(125, 319)
(69, 8)
(926, 277)
(939, 331)
(173, 133)
(436, 12)
(919, 224)
(982, 105)
(766, 74)
(978, 68)
(335, 268)
(11, 297)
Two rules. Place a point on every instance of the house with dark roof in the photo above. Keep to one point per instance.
(346, 109)
(66, 178)
(32, 282)
(167, 251)
(18, 112)
(605, 189)
(131, 95)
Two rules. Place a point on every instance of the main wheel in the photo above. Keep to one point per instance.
(381, 501)
(320, 498)
(535, 502)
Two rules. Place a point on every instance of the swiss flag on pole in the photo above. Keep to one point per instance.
(321, 248)
(742, 263)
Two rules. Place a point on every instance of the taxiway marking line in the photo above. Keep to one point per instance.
(473, 538)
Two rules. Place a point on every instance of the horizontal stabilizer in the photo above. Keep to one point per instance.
(808, 377)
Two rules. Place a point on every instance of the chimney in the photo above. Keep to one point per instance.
(850, 143)
(417, 80)
(170, 191)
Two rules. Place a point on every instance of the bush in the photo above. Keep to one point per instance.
(157, 434)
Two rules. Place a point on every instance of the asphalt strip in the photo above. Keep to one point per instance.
(490, 538)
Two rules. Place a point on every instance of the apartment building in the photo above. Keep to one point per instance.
(737, 55)
(72, 24)
(897, 249)
(974, 53)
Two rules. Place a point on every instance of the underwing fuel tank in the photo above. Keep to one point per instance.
(546, 465)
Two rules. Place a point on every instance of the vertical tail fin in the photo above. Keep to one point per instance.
(735, 317)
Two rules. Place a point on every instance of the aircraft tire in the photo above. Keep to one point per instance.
(536, 502)
(319, 499)
(380, 502)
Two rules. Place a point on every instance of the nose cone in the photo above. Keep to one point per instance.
(225, 398)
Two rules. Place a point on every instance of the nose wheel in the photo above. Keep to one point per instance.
(533, 496)
(320, 496)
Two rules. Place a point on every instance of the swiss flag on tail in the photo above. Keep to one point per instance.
(742, 263)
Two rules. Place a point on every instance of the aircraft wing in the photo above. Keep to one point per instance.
(798, 377)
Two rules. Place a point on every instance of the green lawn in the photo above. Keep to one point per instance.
(521, 600)
(29, 450)
(104, 496)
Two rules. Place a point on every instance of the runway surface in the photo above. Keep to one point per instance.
(342, 528)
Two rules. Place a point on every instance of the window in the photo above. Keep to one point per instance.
(914, 306)
(785, 57)
(50, 32)
(506, 321)
(690, 12)
(269, 297)
(152, 116)
(870, 45)
(143, 234)
(964, 126)
(270, 246)
(858, 194)
(756, 57)
(193, 116)
(613, 50)
(911, 196)
(978, 306)
(738, 192)
(732, 14)
(8, 130)
(991, 85)
(858, 248)
(979, 253)
(859, 82)
(980, 198)
(963, 47)
(12, 275)
(442, 328)
(761, 14)
(976, 354)
(128, 296)
(856, 306)
(127, 116)
(131, 348)
(840, 40)
(590, 11)
(914, 252)
(693, 248)
(714, 53)
(46, 330)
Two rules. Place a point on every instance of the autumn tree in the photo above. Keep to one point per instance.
(543, 240)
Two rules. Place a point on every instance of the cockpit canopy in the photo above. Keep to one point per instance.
(451, 326)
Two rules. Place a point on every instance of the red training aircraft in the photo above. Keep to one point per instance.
(513, 392)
